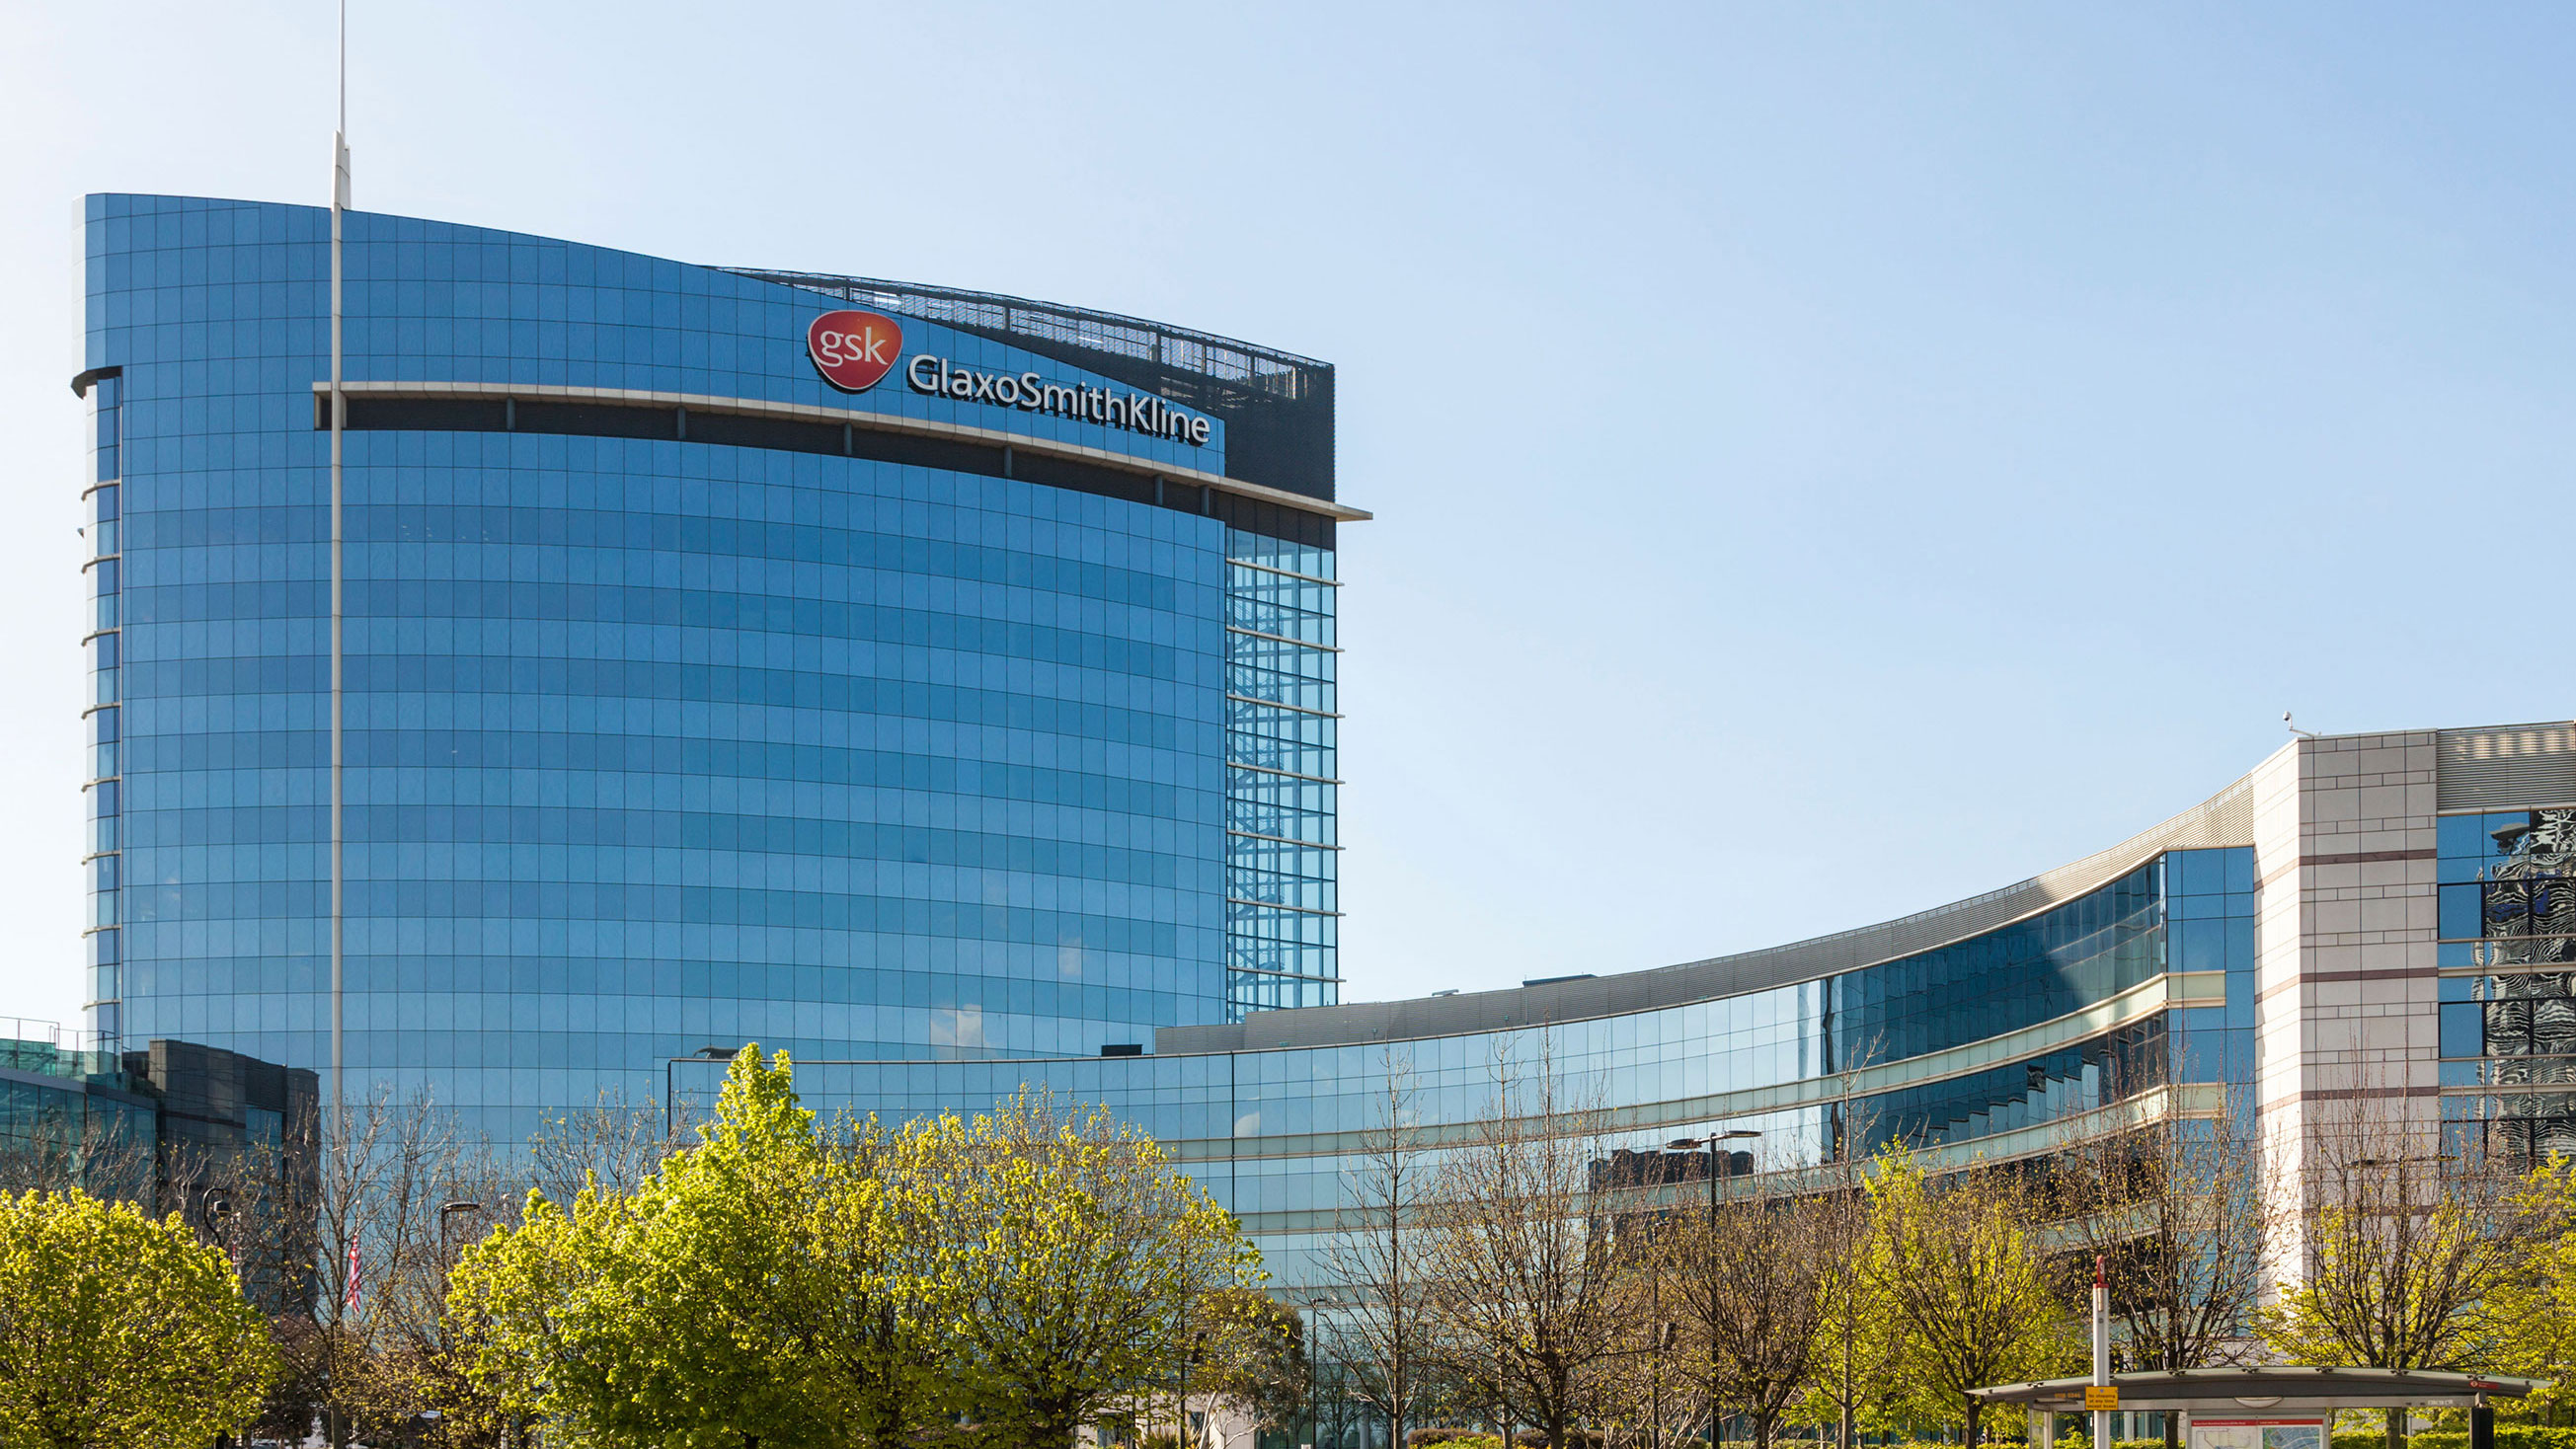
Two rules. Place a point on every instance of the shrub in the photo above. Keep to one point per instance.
(1450, 1437)
(2507, 1436)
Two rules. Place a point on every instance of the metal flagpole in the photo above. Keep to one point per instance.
(337, 1128)
(339, 420)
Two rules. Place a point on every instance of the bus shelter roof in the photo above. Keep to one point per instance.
(2270, 1388)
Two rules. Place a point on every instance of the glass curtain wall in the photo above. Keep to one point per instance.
(653, 741)
(1282, 906)
(2508, 978)
(1985, 1026)
(104, 934)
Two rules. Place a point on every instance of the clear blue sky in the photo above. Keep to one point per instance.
(1828, 461)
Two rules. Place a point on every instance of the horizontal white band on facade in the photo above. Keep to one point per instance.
(2148, 997)
(1281, 839)
(1283, 639)
(1279, 906)
(1280, 704)
(2183, 1101)
(2513, 1089)
(1285, 573)
(1283, 774)
(1274, 971)
(874, 422)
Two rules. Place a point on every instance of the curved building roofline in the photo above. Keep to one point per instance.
(749, 407)
(1206, 353)
(1277, 407)
(2226, 818)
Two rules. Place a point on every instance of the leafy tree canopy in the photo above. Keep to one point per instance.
(116, 1329)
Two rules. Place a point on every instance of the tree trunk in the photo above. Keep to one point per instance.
(2396, 1429)
(1975, 1410)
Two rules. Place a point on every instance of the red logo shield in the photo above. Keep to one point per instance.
(853, 350)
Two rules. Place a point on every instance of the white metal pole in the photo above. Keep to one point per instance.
(2101, 1352)
(339, 420)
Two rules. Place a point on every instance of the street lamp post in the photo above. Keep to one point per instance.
(670, 1114)
(1314, 1374)
(451, 1209)
(218, 1209)
(1181, 1429)
(1711, 1141)
(1655, 1369)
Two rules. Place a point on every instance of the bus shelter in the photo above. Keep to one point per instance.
(2268, 1407)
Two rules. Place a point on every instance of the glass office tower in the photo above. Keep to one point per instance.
(873, 670)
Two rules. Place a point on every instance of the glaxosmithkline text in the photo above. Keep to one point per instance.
(1137, 412)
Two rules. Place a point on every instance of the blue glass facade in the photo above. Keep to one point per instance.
(942, 735)
(2508, 976)
(662, 730)
(1282, 721)
(1993, 1043)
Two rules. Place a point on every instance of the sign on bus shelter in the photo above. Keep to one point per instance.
(2258, 1433)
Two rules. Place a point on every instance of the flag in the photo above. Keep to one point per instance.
(349, 1300)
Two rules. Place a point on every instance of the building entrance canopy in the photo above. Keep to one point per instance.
(2208, 1391)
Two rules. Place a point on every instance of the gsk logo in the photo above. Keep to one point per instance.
(853, 350)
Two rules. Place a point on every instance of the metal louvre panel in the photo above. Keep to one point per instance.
(2508, 767)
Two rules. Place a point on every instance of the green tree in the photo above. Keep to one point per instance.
(2407, 1255)
(1964, 1283)
(116, 1330)
(2535, 1313)
(1857, 1376)
(1075, 1259)
(2179, 1213)
(767, 1287)
(1543, 1308)
(1255, 1356)
(1754, 1283)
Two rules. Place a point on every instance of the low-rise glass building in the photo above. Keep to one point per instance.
(168, 1125)
(2114, 989)
(2366, 929)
